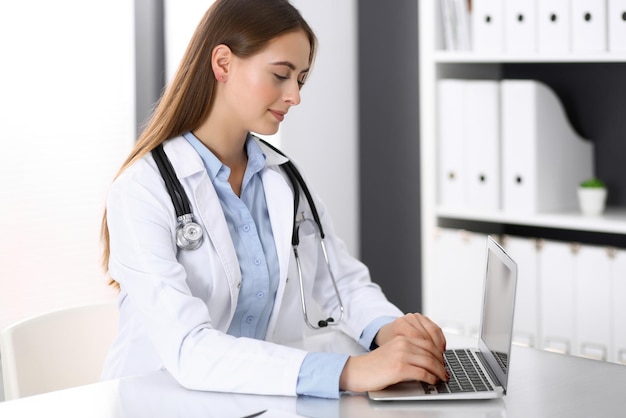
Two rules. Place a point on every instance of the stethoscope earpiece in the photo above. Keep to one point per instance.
(324, 323)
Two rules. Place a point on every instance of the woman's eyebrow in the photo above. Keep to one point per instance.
(290, 65)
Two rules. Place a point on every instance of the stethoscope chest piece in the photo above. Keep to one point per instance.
(189, 233)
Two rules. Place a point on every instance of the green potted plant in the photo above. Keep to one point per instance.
(592, 196)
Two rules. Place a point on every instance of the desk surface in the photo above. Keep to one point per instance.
(541, 384)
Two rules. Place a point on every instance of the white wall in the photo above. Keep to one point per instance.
(67, 120)
(181, 19)
(321, 133)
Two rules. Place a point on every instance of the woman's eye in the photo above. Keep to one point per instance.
(287, 77)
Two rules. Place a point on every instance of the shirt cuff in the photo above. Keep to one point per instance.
(369, 333)
(320, 373)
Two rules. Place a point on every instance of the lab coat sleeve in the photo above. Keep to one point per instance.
(178, 325)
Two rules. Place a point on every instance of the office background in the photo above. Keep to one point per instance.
(69, 114)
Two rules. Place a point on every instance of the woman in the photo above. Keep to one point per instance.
(227, 315)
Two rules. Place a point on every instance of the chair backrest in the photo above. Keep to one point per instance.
(57, 350)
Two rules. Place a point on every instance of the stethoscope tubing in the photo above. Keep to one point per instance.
(174, 188)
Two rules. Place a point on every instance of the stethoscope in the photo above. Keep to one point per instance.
(189, 234)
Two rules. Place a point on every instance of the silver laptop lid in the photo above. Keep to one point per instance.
(496, 327)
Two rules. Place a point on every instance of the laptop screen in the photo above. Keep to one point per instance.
(496, 330)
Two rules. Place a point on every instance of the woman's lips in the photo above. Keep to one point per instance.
(278, 115)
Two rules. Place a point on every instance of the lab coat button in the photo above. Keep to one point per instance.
(249, 319)
(257, 261)
(260, 295)
(246, 228)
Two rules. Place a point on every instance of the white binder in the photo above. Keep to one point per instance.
(451, 184)
(455, 293)
(593, 307)
(616, 17)
(448, 23)
(553, 25)
(589, 28)
(618, 278)
(535, 135)
(526, 326)
(520, 25)
(440, 306)
(456, 23)
(556, 285)
(482, 144)
(462, 13)
(487, 25)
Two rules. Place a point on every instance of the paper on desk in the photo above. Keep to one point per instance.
(273, 413)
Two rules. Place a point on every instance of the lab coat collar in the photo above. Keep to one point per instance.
(272, 157)
(190, 171)
(183, 156)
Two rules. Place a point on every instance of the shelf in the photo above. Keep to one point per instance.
(612, 222)
(454, 57)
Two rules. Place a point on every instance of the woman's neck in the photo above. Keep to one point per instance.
(228, 147)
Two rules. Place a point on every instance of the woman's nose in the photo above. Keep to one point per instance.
(292, 93)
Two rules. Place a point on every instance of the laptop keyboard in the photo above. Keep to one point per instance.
(503, 361)
(465, 374)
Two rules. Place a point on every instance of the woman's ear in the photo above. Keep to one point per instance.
(220, 62)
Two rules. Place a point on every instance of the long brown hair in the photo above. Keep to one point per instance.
(246, 27)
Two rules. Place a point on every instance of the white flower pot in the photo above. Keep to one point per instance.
(592, 200)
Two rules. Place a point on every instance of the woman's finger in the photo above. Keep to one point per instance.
(427, 329)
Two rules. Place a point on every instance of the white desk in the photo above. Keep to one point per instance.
(542, 384)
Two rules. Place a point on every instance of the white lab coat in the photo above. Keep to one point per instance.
(176, 305)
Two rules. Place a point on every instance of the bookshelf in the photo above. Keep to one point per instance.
(593, 89)
(437, 63)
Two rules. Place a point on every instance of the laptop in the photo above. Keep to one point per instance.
(482, 372)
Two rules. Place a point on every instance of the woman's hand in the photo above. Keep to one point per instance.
(414, 326)
(401, 359)
(410, 348)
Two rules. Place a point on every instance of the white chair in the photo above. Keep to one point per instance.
(57, 350)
